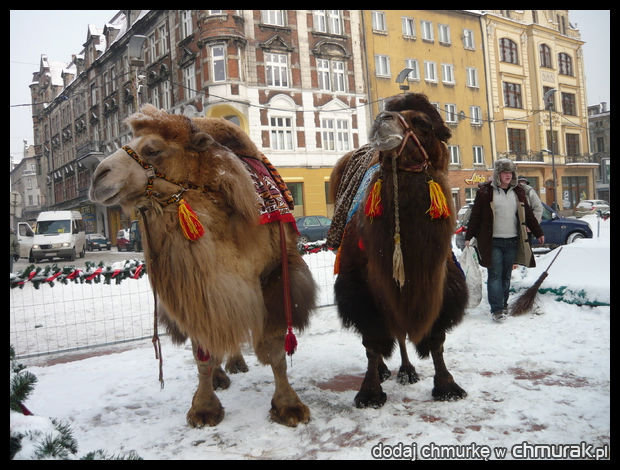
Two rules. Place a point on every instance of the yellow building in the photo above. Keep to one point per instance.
(530, 53)
(444, 55)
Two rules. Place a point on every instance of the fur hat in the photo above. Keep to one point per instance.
(504, 164)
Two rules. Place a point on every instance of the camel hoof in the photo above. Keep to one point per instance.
(368, 399)
(236, 364)
(220, 379)
(290, 415)
(384, 372)
(407, 376)
(449, 392)
(200, 418)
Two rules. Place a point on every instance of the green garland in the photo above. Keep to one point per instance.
(50, 274)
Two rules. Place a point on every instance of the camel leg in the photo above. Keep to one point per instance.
(236, 363)
(286, 407)
(371, 394)
(445, 388)
(383, 370)
(406, 373)
(206, 408)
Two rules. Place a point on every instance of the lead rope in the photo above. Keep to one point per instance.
(155, 340)
(398, 268)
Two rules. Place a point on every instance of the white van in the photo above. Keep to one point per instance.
(59, 234)
(25, 236)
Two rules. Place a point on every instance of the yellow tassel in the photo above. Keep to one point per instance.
(398, 268)
(374, 208)
(439, 205)
(190, 225)
(337, 260)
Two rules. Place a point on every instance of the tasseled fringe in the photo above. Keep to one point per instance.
(337, 260)
(290, 342)
(190, 224)
(398, 268)
(374, 208)
(439, 205)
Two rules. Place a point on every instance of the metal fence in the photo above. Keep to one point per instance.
(68, 317)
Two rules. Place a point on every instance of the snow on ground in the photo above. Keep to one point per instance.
(537, 384)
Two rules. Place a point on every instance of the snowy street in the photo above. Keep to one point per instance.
(538, 386)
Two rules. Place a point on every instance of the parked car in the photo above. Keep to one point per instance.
(96, 241)
(590, 206)
(312, 228)
(558, 230)
(122, 240)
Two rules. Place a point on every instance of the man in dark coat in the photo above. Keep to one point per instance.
(499, 221)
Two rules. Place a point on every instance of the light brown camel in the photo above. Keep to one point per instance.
(222, 288)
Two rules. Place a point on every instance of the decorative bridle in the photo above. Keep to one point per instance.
(438, 208)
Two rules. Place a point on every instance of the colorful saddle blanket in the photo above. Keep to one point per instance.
(274, 199)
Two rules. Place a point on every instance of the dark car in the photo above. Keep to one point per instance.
(312, 228)
(96, 241)
(558, 230)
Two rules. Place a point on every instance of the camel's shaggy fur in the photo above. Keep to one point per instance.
(434, 294)
(225, 288)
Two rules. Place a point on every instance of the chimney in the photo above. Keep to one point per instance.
(603, 106)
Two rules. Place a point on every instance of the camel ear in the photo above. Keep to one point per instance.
(200, 141)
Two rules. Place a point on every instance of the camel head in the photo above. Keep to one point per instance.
(170, 145)
(411, 130)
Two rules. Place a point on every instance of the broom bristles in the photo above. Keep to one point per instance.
(526, 300)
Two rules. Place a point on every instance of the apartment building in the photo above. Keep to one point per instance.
(531, 53)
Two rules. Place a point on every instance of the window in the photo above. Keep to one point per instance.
(297, 191)
(276, 68)
(163, 45)
(444, 33)
(189, 81)
(516, 141)
(327, 21)
(508, 51)
(382, 63)
(378, 21)
(565, 64)
(152, 47)
(408, 27)
(218, 58)
(468, 39)
(455, 156)
(555, 142)
(281, 133)
(155, 97)
(475, 113)
(430, 71)
(274, 17)
(478, 155)
(450, 113)
(512, 95)
(165, 94)
(93, 94)
(335, 134)
(550, 103)
(545, 56)
(427, 31)
(447, 72)
(186, 23)
(415, 69)
(568, 104)
(472, 77)
(572, 145)
(331, 75)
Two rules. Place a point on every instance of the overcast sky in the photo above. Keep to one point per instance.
(61, 33)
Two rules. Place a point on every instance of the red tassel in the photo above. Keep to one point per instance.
(374, 208)
(202, 356)
(290, 342)
(190, 224)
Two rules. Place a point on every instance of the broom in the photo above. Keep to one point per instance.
(525, 301)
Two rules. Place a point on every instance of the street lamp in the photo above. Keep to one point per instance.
(547, 99)
(401, 78)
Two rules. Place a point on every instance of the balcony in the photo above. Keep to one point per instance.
(90, 154)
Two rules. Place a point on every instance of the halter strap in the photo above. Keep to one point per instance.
(409, 134)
